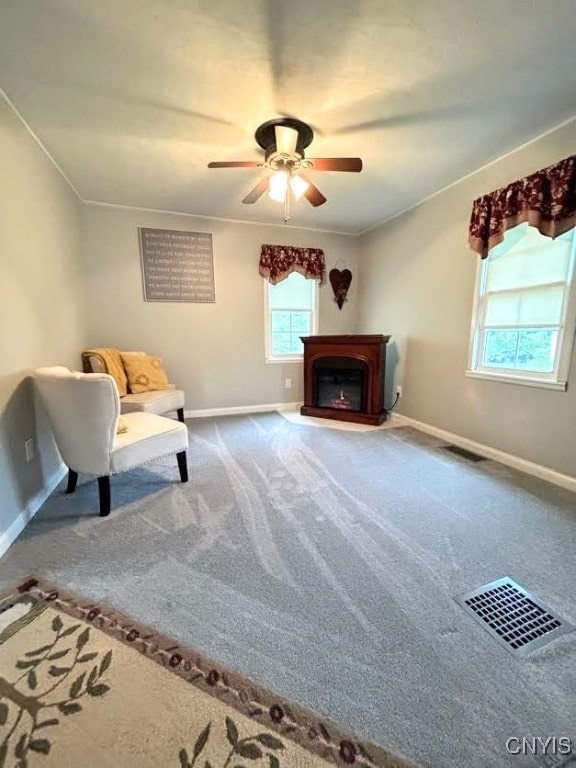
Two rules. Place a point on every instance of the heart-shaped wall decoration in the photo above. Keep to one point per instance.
(340, 280)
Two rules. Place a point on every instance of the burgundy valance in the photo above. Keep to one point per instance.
(545, 199)
(278, 261)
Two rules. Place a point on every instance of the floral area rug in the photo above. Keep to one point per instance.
(83, 685)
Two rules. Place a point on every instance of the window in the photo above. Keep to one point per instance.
(525, 310)
(291, 312)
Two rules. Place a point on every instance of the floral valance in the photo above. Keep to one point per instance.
(278, 261)
(545, 199)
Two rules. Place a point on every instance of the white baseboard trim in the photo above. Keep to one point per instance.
(529, 467)
(239, 409)
(31, 508)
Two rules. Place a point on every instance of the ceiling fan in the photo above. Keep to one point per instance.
(284, 141)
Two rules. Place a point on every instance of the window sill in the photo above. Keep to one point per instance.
(523, 381)
(274, 360)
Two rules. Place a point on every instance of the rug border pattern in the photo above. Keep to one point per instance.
(286, 718)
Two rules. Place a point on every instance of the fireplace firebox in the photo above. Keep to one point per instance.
(344, 377)
(341, 389)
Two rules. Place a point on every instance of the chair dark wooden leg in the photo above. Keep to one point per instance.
(72, 480)
(180, 412)
(182, 466)
(104, 493)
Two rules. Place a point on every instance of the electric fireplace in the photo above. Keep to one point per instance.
(344, 377)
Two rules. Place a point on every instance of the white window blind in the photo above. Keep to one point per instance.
(295, 292)
(525, 309)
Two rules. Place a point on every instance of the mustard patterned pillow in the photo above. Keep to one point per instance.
(145, 373)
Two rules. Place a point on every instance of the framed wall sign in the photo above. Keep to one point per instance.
(176, 266)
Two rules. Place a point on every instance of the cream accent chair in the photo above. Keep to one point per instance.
(83, 410)
(160, 401)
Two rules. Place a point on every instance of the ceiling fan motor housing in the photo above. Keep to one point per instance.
(266, 135)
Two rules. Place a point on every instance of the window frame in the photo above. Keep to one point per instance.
(556, 379)
(269, 357)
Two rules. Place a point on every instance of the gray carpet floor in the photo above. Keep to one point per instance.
(324, 565)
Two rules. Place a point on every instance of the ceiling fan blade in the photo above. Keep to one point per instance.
(313, 194)
(257, 192)
(286, 139)
(236, 164)
(353, 164)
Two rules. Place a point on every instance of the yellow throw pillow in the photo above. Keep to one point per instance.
(145, 373)
(122, 426)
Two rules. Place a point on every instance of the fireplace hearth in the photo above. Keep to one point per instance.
(344, 377)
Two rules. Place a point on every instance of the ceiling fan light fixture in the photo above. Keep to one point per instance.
(283, 141)
(298, 186)
(278, 184)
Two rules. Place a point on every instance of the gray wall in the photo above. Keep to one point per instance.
(41, 314)
(417, 284)
(215, 352)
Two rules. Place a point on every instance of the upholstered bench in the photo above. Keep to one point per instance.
(157, 401)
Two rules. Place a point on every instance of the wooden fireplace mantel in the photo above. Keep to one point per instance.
(369, 349)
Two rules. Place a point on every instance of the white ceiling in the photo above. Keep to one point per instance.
(132, 98)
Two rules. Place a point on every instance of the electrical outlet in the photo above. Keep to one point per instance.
(288, 383)
(399, 390)
(29, 448)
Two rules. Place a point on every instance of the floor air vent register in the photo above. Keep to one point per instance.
(512, 615)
